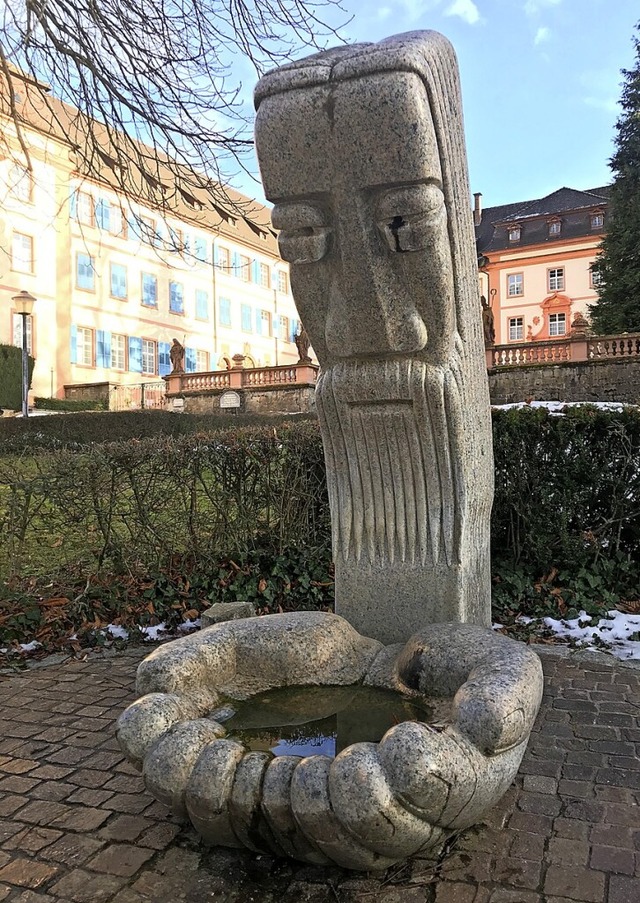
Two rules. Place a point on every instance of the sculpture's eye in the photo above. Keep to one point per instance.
(304, 235)
(407, 216)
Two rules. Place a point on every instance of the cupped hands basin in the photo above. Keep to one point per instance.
(372, 805)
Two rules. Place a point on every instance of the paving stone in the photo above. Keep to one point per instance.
(503, 895)
(564, 850)
(125, 827)
(159, 837)
(527, 846)
(72, 849)
(540, 784)
(518, 873)
(31, 840)
(623, 890)
(540, 803)
(584, 885)
(18, 766)
(121, 859)
(454, 892)
(27, 872)
(81, 886)
(612, 859)
(572, 828)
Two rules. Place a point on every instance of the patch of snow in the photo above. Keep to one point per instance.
(187, 625)
(117, 632)
(524, 619)
(29, 647)
(614, 631)
(152, 633)
(557, 407)
(497, 626)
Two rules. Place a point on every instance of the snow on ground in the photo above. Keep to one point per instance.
(619, 631)
(558, 407)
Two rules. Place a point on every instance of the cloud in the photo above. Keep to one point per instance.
(533, 7)
(542, 34)
(384, 13)
(465, 10)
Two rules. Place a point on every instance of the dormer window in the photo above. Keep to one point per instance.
(514, 233)
(597, 220)
(555, 227)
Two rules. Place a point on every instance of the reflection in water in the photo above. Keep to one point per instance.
(309, 721)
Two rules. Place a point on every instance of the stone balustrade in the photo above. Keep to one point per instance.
(571, 349)
(241, 378)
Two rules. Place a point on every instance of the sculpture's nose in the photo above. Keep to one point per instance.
(370, 310)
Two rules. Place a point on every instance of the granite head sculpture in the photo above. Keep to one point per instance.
(361, 150)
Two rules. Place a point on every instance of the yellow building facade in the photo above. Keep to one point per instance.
(116, 280)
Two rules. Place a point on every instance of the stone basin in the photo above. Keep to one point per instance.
(373, 804)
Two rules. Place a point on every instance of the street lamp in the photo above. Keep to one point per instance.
(24, 306)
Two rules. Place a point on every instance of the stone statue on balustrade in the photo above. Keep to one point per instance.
(361, 150)
(488, 323)
(176, 354)
(303, 344)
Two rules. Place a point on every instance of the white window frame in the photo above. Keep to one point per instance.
(555, 227)
(22, 253)
(515, 285)
(516, 329)
(283, 282)
(84, 346)
(85, 208)
(556, 281)
(597, 220)
(244, 268)
(224, 258)
(265, 275)
(202, 361)
(149, 355)
(118, 351)
(21, 184)
(557, 324)
(514, 233)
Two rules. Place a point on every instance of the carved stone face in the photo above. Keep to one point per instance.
(355, 174)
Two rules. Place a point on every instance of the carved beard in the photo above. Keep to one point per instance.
(391, 433)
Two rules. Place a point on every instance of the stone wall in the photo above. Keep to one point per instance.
(89, 392)
(294, 399)
(604, 380)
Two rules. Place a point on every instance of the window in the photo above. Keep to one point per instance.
(556, 279)
(103, 215)
(176, 298)
(596, 278)
(263, 322)
(285, 333)
(149, 290)
(118, 352)
(118, 281)
(224, 305)
(245, 318)
(516, 329)
(514, 233)
(17, 331)
(265, 276)
(223, 260)
(202, 305)
(148, 231)
(148, 356)
(22, 253)
(597, 220)
(21, 184)
(85, 272)
(515, 285)
(118, 223)
(202, 361)
(84, 208)
(176, 240)
(555, 227)
(557, 324)
(84, 346)
(244, 268)
(200, 249)
(283, 282)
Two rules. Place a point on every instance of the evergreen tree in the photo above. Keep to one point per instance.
(618, 307)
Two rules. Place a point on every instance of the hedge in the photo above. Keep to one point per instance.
(226, 510)
(11, 377)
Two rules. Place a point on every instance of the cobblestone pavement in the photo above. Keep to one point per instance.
(77, 825)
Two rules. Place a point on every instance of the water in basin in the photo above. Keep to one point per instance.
(307, 721)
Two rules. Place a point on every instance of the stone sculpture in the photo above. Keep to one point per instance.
(176, 355)
(361, 150)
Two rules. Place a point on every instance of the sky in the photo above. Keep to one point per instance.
(540, 79)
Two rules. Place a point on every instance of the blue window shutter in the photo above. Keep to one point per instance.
(235, 264)
(73, 205)
(202, 305)
(216, 256)
(259, 322)
(100, 348)
(255, 272)
(135, 354)
(276, 325)
(164, 361)
(190, 360)
(225, 311)
(245, 318)
(74, 344)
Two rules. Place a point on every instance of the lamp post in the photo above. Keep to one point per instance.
(24, 306)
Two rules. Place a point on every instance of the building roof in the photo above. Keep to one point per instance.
(114, 160)
(573, 208)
